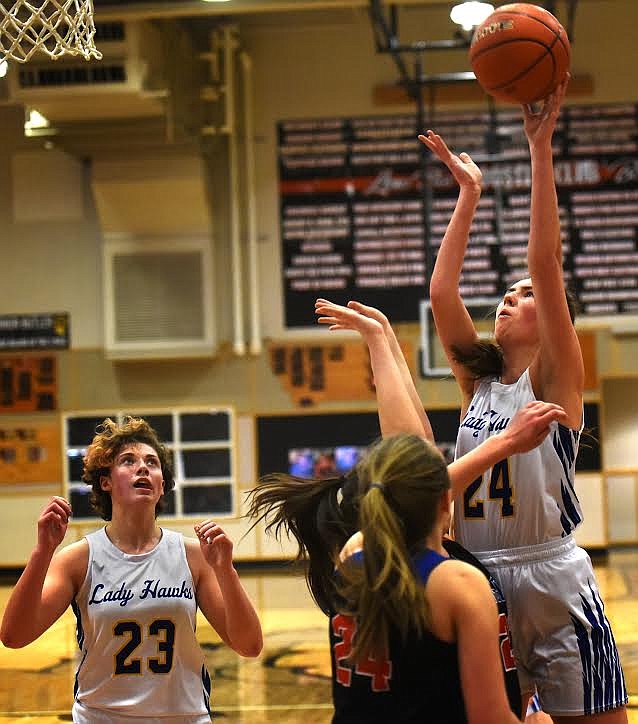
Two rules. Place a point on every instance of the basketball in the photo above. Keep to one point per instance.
(520, 53)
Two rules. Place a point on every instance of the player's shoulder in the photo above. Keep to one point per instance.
(455, 591)
(194, 556)
(192, 545)
(74, 552)
(456, 571)
(456, 580)
(72, 562)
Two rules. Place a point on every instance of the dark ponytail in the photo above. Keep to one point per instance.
(310, 511)
(482, 359)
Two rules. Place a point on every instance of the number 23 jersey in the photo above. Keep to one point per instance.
(136, 617)
(523, 500)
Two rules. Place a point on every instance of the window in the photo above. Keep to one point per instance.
(201, 443)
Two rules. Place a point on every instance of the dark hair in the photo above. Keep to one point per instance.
(320, 514)
(401, 480)
(485, 359)
(110, 438)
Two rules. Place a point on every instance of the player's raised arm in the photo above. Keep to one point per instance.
(528, 428)
(397, 412)
(399, 358)
(558, 370)
(48, 583)
(220, 593)
(453, 322)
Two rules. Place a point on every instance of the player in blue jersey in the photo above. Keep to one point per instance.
(519, 516)
(414, 636)
(323, 515)
(135, 588)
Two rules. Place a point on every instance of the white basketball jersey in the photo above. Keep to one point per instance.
(525, 499)
(136, 617)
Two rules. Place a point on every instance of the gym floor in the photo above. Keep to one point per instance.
(290, 681)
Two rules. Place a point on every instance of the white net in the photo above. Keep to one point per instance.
(52, 27)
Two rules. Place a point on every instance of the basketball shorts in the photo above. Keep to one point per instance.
(561, 639)
(85, 715)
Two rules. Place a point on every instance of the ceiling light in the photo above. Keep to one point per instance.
(470, 14)
(4, 67)
(36, 120)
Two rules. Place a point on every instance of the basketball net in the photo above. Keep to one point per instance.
(52, 27)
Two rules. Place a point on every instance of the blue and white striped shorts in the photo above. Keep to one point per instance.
(562, 640)
(534, 705)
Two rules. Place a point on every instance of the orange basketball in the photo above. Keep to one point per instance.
(520, 53)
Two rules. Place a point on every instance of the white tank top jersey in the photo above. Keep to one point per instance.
(136, 618)
(525, 499)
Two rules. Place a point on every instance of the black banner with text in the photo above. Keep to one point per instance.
(354, 208)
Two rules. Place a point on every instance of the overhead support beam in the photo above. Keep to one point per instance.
(460, 90)
(385, 33)
(385, 25)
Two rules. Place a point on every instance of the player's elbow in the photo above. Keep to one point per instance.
(251, 649)
(439, 289)
(12, 641)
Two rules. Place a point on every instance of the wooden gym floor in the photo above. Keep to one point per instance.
(290, 681)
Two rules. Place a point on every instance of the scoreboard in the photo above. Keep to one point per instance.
(364, 208)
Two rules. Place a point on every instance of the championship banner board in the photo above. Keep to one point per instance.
(362, 219)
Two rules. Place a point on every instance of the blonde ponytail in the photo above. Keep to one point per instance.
(401, 482)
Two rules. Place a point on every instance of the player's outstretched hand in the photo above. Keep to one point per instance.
(215, 545)
(465, 171)
(371, 312)
(540, 121)
(53, 523)
(530, 425)
(338, 317)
